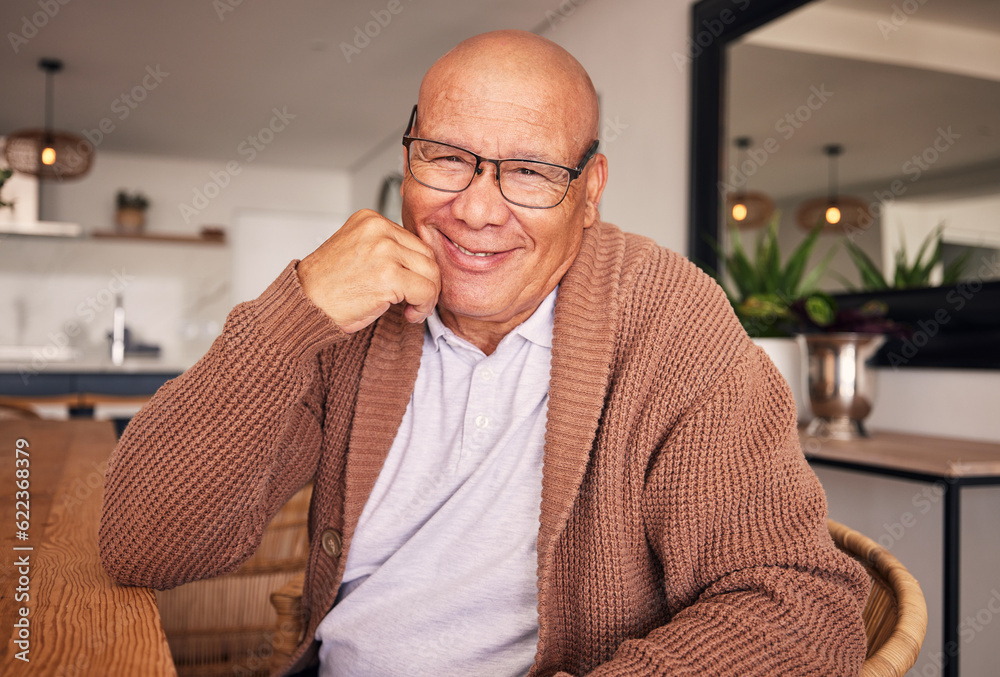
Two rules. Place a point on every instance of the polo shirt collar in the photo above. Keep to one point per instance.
(537, 328)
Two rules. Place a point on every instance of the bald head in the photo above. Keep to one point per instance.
(521, 71)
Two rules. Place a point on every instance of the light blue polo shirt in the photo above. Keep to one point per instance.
(441, 577)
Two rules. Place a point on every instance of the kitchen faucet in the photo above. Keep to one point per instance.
(118, 332)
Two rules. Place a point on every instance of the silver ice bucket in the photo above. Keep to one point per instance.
(840, 384)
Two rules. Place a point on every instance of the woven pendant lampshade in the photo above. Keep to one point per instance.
(837, 213)
(748, 209)
(48, 153)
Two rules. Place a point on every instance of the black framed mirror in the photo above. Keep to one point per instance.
(956, 326)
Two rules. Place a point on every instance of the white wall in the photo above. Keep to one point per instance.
(628, 48)
(174, 184)
(384, 160)
(944, 402)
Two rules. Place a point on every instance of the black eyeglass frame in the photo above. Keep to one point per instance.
(574, 172)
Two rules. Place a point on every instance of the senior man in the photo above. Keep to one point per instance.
(546, 446)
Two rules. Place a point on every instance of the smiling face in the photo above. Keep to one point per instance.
(504, 95)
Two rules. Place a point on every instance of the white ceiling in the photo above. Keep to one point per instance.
(978, 14)
(227, 74)
(883, 113)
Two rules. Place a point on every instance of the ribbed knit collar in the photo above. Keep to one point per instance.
(582, 349)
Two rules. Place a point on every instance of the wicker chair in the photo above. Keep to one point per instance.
(895, 615)
(224, 625)
(287, 603)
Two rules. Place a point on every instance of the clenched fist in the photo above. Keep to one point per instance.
(368, 265)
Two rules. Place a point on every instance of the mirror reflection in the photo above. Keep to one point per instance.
(879, 125)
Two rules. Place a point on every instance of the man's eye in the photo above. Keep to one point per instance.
(525, 171)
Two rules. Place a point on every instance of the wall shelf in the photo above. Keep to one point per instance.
(160, 237)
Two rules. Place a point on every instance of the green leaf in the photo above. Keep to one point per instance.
(871, 276)
(902, 274)
(796, 265)
(922, 274)
(768, 259)
(810, 283)
(820, 309)
(741, 270)
(953, 271)
(908, 275)
(933, 236)
(734, 259)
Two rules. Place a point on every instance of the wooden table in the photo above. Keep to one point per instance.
(80, 622)
(946, 462)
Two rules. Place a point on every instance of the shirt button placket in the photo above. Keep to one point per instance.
(478, 418)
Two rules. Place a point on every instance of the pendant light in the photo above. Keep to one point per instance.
(48, 153)
(748, 209)
(838, 213)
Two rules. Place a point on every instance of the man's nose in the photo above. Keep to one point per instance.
(482, 203)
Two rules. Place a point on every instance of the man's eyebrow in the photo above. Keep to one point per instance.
(532, 155)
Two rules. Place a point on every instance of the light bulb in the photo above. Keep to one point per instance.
(739, 211)
(48, 155)
(832, 215)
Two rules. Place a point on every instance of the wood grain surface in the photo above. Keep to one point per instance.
(81, 622)
(941, 456)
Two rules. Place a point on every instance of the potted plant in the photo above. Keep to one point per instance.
(130, 214)
(763, 291)
(764, 288)
(838, 343)
(906, 275)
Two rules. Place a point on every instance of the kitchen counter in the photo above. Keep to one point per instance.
(132, 365)
(35, 360)
(83, 384)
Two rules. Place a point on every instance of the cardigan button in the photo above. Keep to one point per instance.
(332, 542)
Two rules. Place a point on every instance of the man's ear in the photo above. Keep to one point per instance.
(596, 177)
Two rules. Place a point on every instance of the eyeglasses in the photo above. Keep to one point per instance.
(526, 183)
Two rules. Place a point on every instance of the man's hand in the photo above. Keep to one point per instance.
(368, 265)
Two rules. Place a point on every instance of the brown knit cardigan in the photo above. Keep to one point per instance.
(681, 530)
